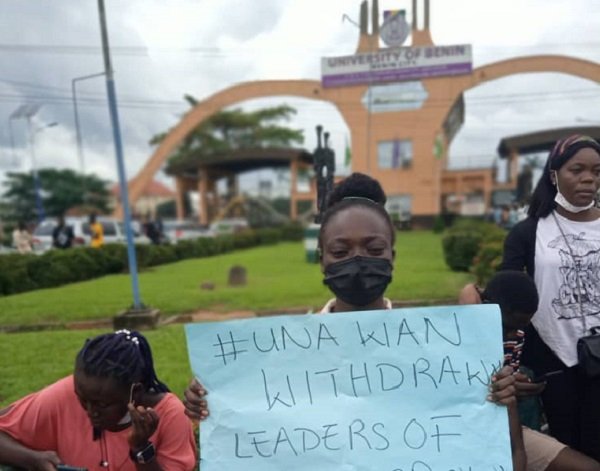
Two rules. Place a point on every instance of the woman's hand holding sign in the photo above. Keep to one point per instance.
(196, 407)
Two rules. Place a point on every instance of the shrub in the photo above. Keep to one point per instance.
(293, 231)
(462, 241)
(49, 270)
(80, 263)
(489, 255)
(268, 236)
(14, 276)
(19, 273)
(208, 246)
(186, 249)
(438, 224)
(142, 255)
(487, 261)
(114, 256)
(160, 254)
(244, 239)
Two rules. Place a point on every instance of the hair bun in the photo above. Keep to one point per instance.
(357, 185)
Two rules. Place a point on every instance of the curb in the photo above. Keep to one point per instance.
(199, 316)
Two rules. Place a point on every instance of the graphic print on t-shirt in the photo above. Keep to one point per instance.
(62, 238)
(584, 264)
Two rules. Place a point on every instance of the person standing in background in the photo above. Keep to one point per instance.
(62, 235)
(96, 232)
(558, 245)
(21, 238)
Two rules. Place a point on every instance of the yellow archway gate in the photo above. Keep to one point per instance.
(422, 126)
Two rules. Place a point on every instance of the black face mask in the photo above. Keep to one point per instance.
(359, 280)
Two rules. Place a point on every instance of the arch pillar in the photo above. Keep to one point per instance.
(179, 198)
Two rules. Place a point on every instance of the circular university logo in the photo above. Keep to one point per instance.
(394, 29)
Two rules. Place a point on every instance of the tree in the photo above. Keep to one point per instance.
(229, 130)
(61, 191)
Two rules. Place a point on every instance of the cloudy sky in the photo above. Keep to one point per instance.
(163, 49)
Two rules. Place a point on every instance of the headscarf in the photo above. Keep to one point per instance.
(566, 148)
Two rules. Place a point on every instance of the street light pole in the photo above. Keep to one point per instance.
(36, 178)
(12, 140)
(114, 118)
(76, 114)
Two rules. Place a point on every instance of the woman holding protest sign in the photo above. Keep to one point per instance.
(356, 245)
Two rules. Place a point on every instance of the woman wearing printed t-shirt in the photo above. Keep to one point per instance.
(356, 244)
(559, 246)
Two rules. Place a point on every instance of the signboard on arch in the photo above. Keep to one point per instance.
(396, 64)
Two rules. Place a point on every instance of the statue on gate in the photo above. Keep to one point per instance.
(324, 167)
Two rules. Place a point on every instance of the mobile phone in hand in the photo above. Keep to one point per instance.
(543, 378)
(66, 467)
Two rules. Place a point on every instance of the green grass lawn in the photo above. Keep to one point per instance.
(278, 278)
(32, 360)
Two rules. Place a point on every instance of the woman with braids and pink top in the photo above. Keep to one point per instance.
(113, 413)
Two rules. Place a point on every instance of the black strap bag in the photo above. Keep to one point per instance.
(588, 354)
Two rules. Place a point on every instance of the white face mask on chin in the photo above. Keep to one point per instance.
(562, 201)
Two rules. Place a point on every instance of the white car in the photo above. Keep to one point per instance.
(175, 231)
(229, 226)
(114, 232)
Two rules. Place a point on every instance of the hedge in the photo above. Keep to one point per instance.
(473, 245)
(20, 273)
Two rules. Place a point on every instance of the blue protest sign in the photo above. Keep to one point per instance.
(399, 390)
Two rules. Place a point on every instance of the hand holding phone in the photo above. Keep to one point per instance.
(66, 467)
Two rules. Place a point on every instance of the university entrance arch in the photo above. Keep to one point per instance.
(427, 128)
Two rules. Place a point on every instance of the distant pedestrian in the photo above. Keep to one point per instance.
(513, 216)
(152, 231)
(96, 232)
(498, 215)
(21, 238)
(62, 235)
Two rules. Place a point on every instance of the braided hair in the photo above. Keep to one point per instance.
(357, 189)
(123, 356)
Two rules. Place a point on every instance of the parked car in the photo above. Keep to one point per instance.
(114, 232)
(175, 231)
(229, 226)
(5, 250)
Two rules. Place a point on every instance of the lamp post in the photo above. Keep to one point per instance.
(36, 178)
(76, 114)
(12, 141)
(23, 111)
(114, 119)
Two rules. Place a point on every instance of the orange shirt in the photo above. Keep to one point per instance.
(53, 419)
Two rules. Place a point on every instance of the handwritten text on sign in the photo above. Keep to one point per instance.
(400, 390)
